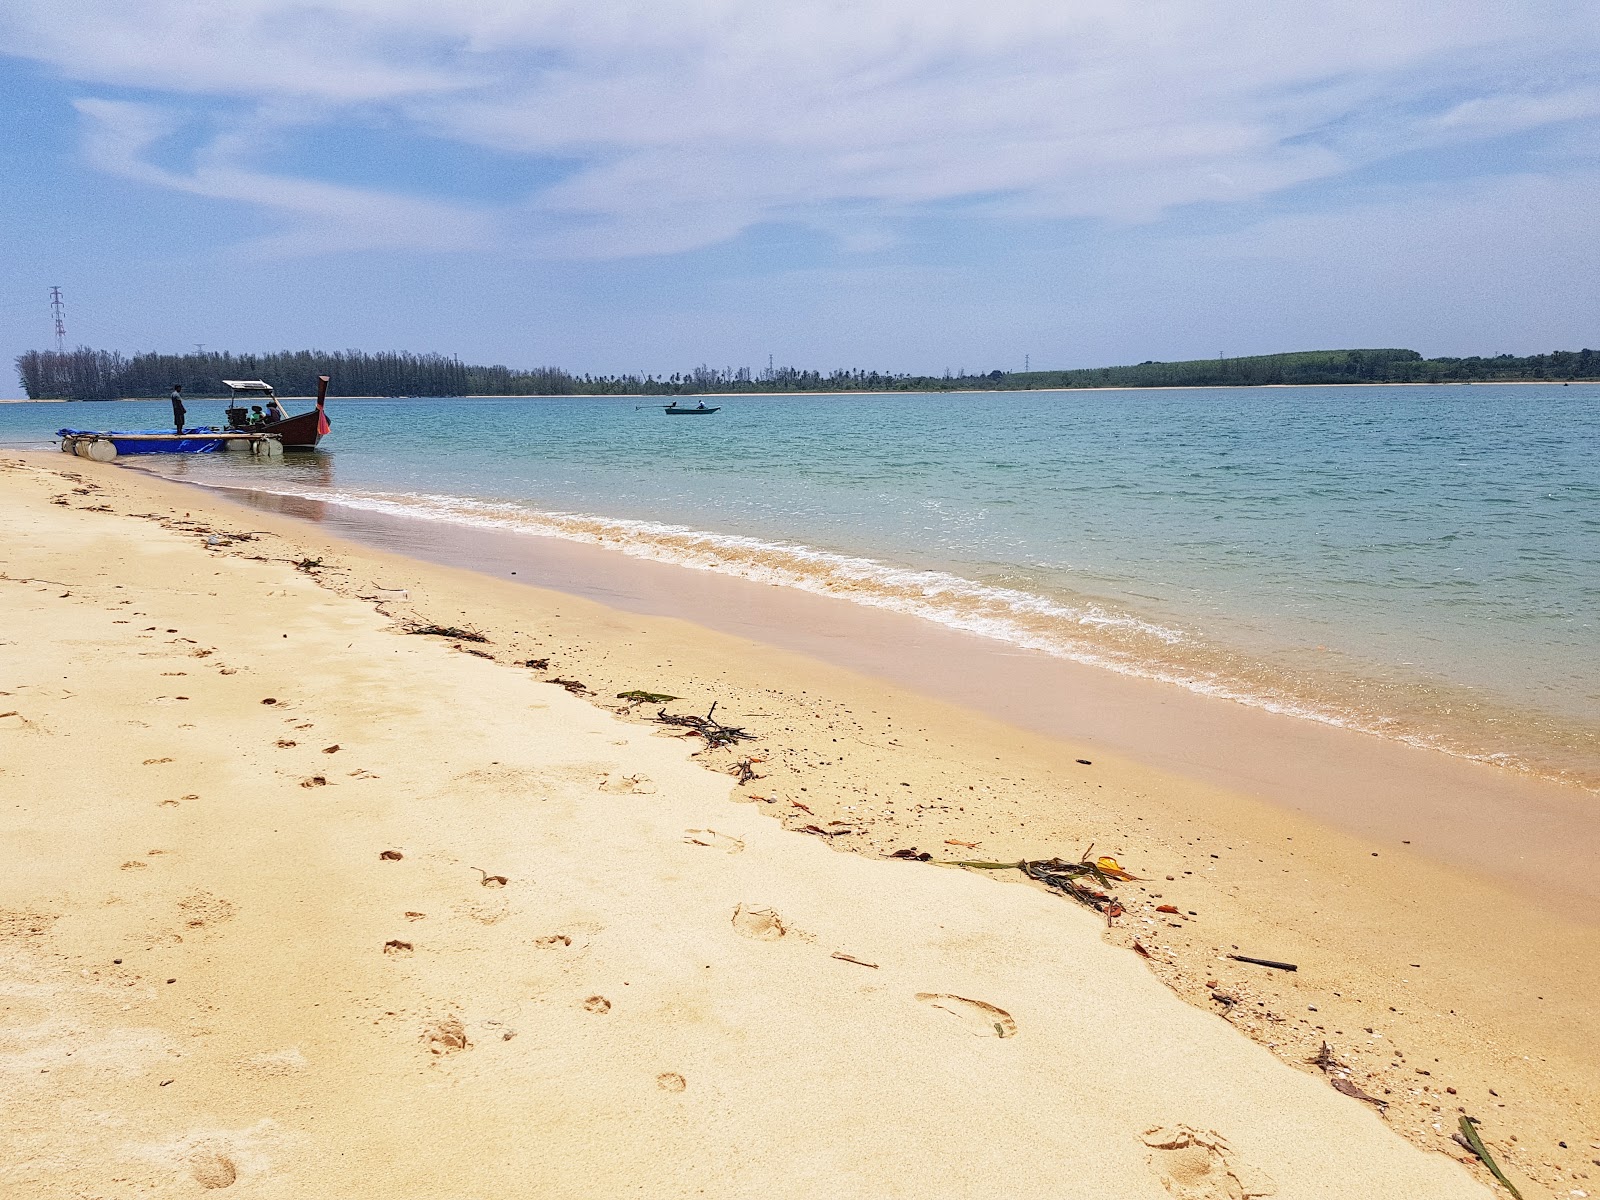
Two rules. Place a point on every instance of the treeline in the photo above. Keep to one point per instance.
(1322, 366)
(86, 374)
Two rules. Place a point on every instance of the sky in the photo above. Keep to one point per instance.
(904, 185)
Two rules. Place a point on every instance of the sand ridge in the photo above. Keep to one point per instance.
(618, 907)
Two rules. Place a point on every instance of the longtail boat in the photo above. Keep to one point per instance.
(104, 445)
(280, 431)
(699, 410)
(302, 431)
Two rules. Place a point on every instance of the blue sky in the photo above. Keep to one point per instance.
(903, 184)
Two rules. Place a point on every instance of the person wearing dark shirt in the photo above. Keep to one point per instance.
(178, 411)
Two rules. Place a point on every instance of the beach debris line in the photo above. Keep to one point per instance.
(1337, 1072)
(745, 771)
(446, 631)
(572, 685)
(1068, 877)
(1263, 962)
(714, 731)
(637, 695)
(1468, 1137)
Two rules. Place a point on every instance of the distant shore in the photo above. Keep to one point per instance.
(644, 396)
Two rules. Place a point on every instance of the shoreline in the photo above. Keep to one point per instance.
(1458, 810)
(1355, 919)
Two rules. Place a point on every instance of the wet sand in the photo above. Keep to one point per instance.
(1500, 997)
(1526, 833)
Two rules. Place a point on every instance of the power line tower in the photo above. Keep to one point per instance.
(59, 311)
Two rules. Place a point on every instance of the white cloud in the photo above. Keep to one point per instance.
(690, 122)
(324, 217)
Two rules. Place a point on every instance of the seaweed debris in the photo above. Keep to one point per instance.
(639, 696)
(1068, 878)
(447, 631)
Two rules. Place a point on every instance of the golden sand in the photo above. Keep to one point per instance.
(435, 927)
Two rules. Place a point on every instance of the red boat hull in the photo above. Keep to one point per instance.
(298, 432)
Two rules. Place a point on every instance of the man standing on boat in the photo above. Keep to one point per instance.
(178, 411)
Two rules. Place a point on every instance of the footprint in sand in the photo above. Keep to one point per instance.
(671, 1081)
(762, 924)
(1195, 1164)
(212, 1169)
(486, 912)
(978, 1018)
(713, 839)
(445, 1036)
(597, 1004)
(628, 785)
(396, 947)
(553, 941)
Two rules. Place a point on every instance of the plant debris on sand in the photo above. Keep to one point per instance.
(1068, 877)
(715, 733)
(447, 631)
(639, 696)
(1468, 1137)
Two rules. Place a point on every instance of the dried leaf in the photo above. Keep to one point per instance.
(1341, 1084)
(1110, 868)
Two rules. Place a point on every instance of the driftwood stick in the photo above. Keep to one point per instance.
(1264, 962)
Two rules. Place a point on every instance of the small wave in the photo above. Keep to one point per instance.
(1081, 630)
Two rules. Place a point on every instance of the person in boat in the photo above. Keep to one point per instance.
(702, 404)
(255, 417)
(674, 404)
(178, 411)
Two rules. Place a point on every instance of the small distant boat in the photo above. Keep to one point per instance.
(699, 410)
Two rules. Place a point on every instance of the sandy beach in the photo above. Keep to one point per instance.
(300, 904)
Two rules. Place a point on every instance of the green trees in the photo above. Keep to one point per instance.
(85, 374)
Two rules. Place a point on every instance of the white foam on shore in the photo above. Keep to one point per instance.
(1082, 630)
(1008, 615)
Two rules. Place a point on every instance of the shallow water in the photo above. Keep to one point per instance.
(1422, 563)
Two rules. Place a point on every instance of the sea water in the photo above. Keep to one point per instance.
(1422, 563)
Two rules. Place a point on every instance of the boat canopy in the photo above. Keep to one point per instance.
(247, 386)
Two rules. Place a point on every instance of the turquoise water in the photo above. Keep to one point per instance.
(1422, 563)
